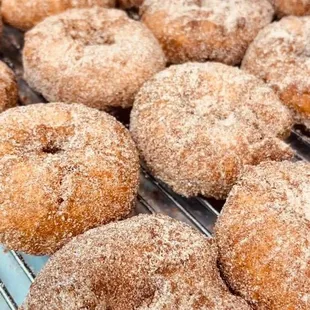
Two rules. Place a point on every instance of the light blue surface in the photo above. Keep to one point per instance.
(35, 263)
(14, 278)
(3, 305)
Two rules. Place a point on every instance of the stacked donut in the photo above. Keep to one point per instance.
(69, 171)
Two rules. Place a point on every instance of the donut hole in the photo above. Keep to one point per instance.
(53, 140)
(93, 38)
(88, 34)
(51, 149)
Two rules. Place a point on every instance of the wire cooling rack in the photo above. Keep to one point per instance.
(18, 271)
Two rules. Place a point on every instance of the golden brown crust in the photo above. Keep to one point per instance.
(144, 263)
(280, 56)
(199, 30)
(196, 126)
(291, 7)
(99, 57)
(63, 169)
(8, 88)
(263, 236)
(24, 14)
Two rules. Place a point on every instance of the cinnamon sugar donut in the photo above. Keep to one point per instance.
(146, 263)
(291, 7)
(8, 88)
(24, 14)
(97, 57)
(63, 169)
(196, 125)
(199, 30)
(280, 55)
(263, 235)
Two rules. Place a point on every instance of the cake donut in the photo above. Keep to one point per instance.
(263, 236)
(280, 56)
(200, 30)
(8, 88)
(98, 57)
(291, 7)
(197, 124)
(24, 14)
(63, 169)
(148, 262)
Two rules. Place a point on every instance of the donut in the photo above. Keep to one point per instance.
(63, 169)
(263, 235)
(291, 7)
(197, 124)
(200, 30)
(145, 262)
(8, 88)
(97, 57)
(280, 56)
(24, 14)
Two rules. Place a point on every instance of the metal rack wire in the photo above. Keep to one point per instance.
(18, 271)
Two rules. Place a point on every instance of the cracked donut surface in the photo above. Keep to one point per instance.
(63, 169)
(98, 57)
(143, 263)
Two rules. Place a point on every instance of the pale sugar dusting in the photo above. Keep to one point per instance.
(280, 55)
(197, 125)
(97, 57)
(206, 30)
(143, 263)
(63, 169)
(25, 14)
(263, 236)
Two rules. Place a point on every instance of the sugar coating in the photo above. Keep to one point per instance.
(24, 14)
(263, 236)
(148, 262)
(97, 57)
(199, 30)
(196, 126)
(8, 88)
(291, 7)
(280, 56)
(63, 169)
